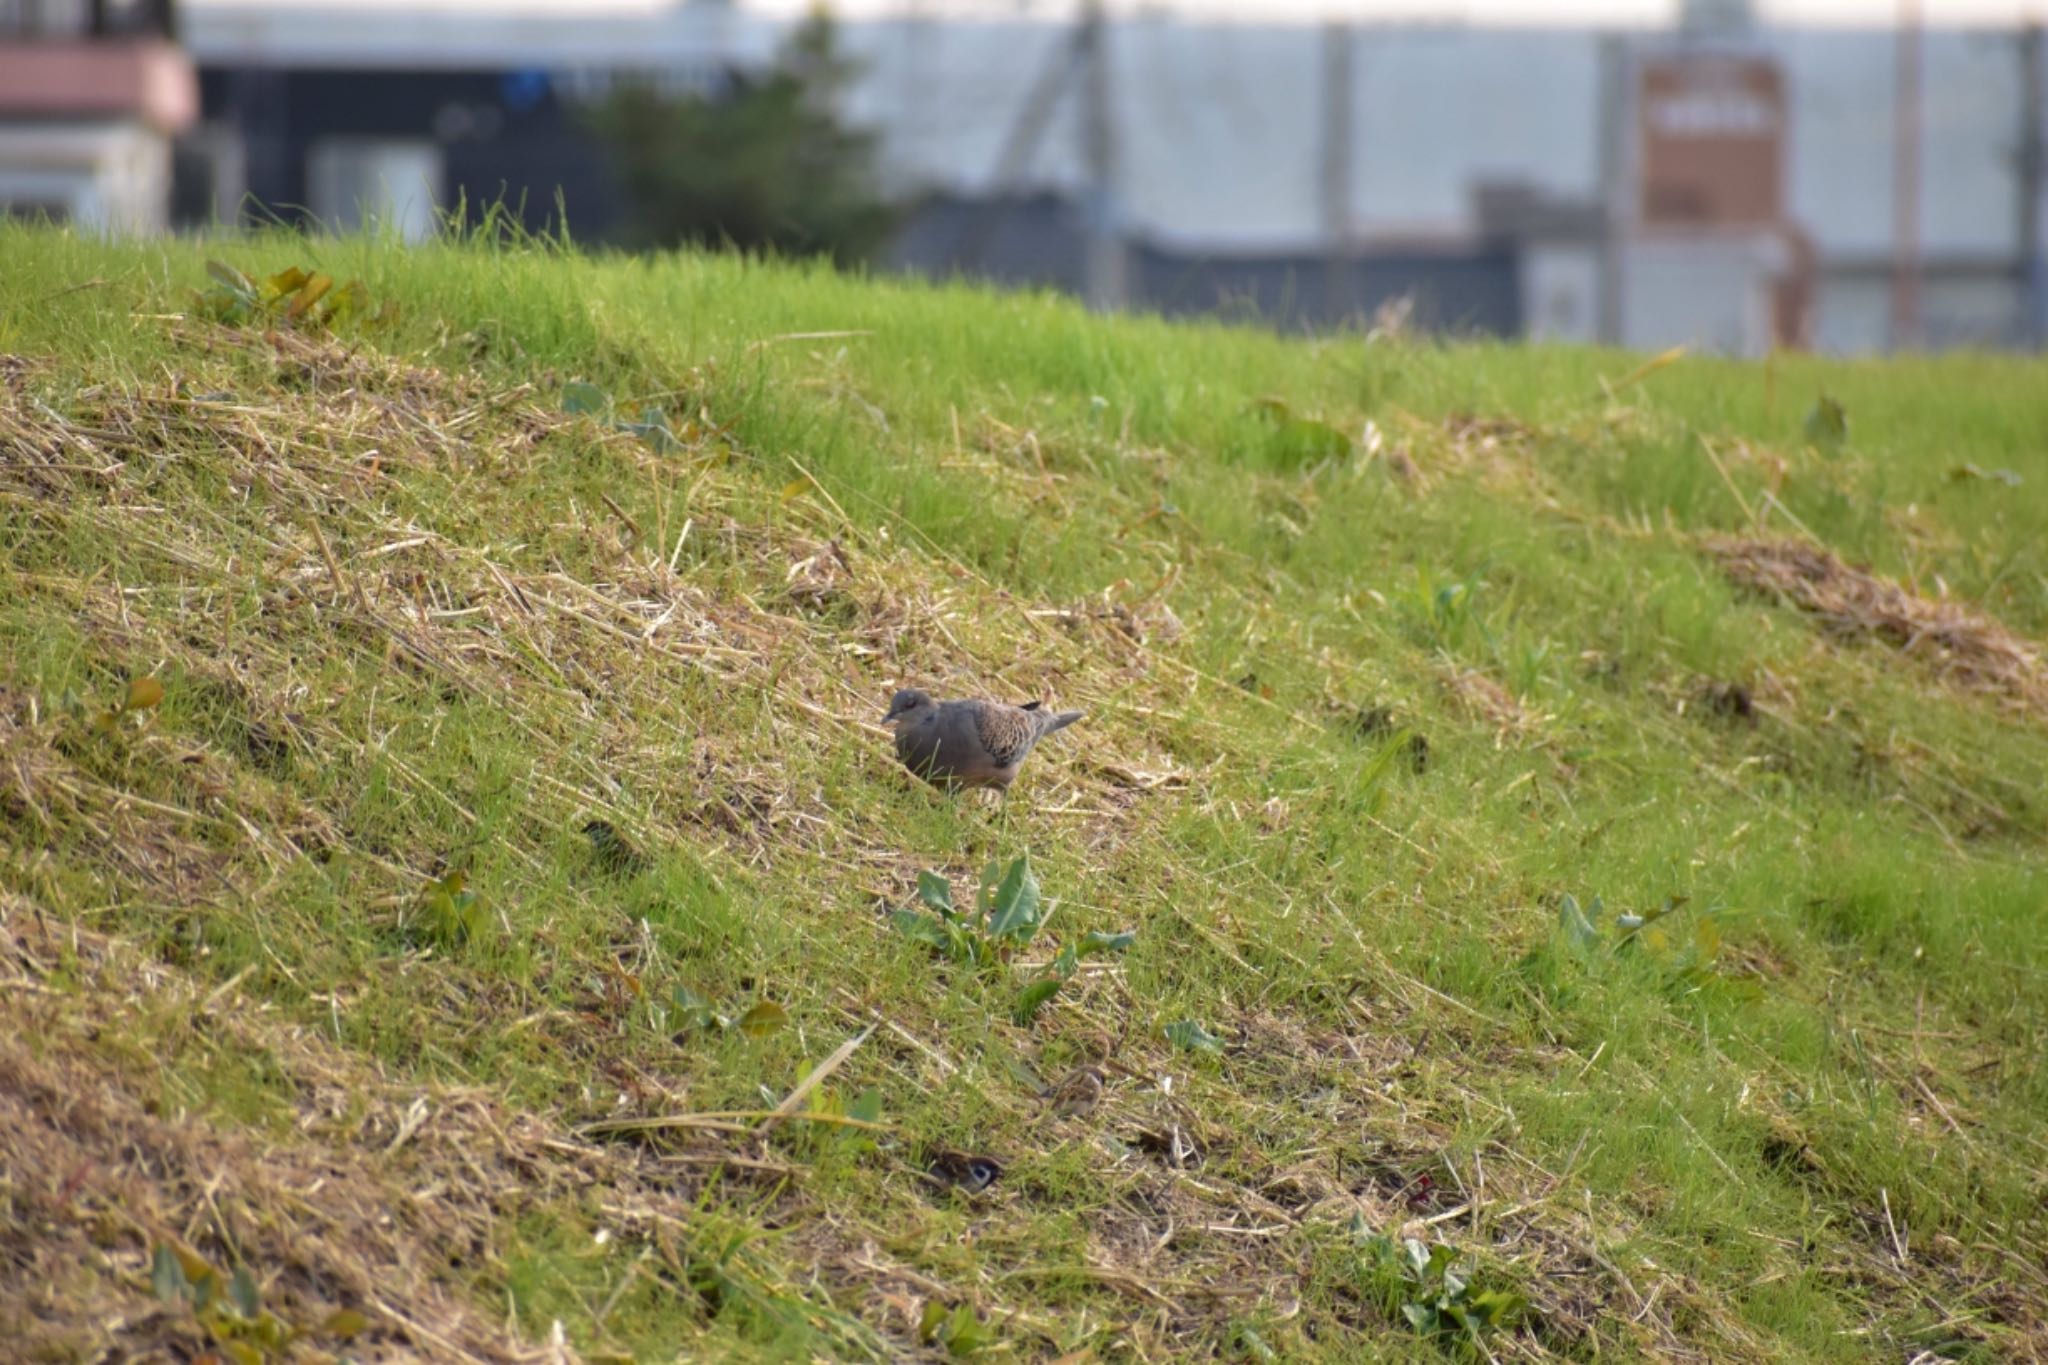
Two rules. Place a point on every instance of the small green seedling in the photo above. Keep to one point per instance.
(1009, 910)
(959, 1331)
(1190, 1036)
(232, 1311)
(143, 694)
(450, 913)
(1431, 1291)
(1650, 933)
(650, 424)
(293, 297)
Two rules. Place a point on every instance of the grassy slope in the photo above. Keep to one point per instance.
(1821, 1142)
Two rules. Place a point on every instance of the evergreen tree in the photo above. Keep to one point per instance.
(765, 164)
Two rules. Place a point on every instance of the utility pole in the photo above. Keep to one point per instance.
(1084, 53)
(1018, 146)
(1614, 110)
(2033, 171)
(1339, 298)
(1106, 263)
(1906, 180)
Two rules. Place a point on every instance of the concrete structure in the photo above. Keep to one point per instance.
(91, 95)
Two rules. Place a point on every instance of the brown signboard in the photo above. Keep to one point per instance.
(1712, 135)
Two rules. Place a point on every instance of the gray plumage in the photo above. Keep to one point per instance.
(955, 744)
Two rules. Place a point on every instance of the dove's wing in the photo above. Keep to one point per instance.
(1006, 732)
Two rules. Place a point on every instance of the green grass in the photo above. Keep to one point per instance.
(400, 618)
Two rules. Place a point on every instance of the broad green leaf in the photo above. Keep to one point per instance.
(143, 694)
(1014, 915)
(1255, 1345)
(1306, 439)
(282, 283)
(1032, 998)
(1192, 1036)
(224, 305)
(1095, 941)
(345, 302)
(1827, 425)
(963, 1333)
(197, 1271)
(1418, 1257)
(763, 1019)
(914, 924)
(1497, 1307)
(930, 1321)
(1420, 1316)
(655, 433)
(687, 1009)
(227, 275)
(867, 1106)
(936, 892)
(452, 913)
(166, 1276)
(308, 293)
(1063, 966)
(344, 1323)
(271, 1331)
(581, 396)
(242, 1293)
(1578, 930)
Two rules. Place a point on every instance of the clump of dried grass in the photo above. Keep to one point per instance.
(369, 1203)
(1961, 646)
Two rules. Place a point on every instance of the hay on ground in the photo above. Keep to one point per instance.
(1961, 646)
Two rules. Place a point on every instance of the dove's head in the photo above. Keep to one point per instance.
(905, 705)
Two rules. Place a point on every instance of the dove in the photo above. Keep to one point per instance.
(955, 744)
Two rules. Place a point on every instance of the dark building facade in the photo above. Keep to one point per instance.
(312, 144)
(329, 147)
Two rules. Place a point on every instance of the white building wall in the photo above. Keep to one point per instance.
(103, 177)
(1840, 173)
(1442, 109)
(1853, 312)
(1711, 293)
(1561, 293)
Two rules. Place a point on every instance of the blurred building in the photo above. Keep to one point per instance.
(92, 92)
(1722, 185)
(1719, 184)
(346, 116)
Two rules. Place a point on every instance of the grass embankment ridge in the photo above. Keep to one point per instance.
(1411, 671)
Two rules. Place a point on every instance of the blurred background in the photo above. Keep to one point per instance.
(1844, 175)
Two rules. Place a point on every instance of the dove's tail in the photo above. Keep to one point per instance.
(1059, 721)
